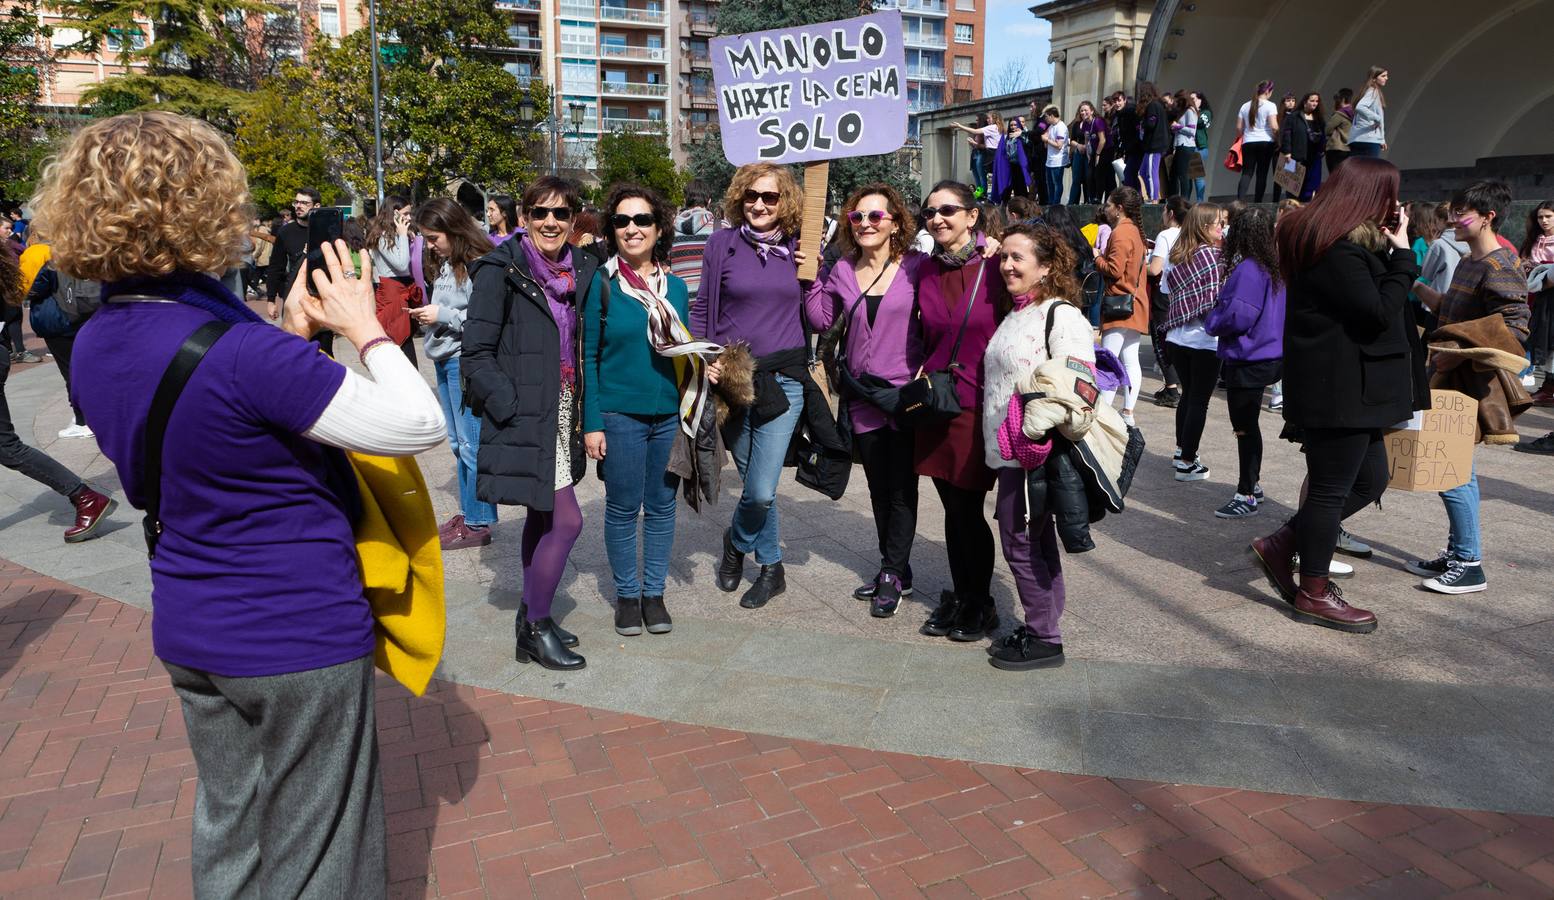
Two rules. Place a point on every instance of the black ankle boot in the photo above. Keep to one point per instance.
(768, 584)
(942, 619)
(732, 567)
(655, 616)
(538, 642)
(628, 616)
(568, 639)
(974, 620)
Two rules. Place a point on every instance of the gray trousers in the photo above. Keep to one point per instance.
(290, 803)
(29, 461)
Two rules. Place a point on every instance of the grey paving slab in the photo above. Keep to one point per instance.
(1196, 751)
(949, 671)
(790, 707)
(828, 658)
(991, 729)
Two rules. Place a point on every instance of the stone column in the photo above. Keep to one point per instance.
(1111, 80)
(1060, 85)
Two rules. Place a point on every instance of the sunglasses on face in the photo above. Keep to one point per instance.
(946, 211)
(770, 198)
(641, 220)
(540, 213)
(874, 217)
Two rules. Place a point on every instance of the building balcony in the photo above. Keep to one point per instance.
(921, 7)
(653, 18)
(611, 123)
(925, 39)
(922, 106)
(696, 132)
(700, 60)
(704, 97)
(925, 73)
(701, 24)
(633, 89)
(522, 43)
(517, 5)
(578, 48)
(640, 54)
(578, 10)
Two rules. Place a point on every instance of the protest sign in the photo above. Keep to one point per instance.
(809, 95)
(1434, 450)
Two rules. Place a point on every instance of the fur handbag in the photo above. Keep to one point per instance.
(736, 383)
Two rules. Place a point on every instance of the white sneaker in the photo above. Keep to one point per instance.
(1530, 381)
(1335, 569)
(76, 431)
(1127, 419)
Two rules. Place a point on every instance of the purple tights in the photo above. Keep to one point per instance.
(547, 541)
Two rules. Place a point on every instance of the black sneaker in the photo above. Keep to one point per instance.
(1168, 397)
(628, 616)
(1020, 650)
(1432, 567)
(1459, 578)
(1239, 507)
(887, 597)
(655, 616)
(1543, 446)
(865, 592)
(1195, 471)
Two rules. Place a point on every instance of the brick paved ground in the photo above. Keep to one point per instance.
(491, 794)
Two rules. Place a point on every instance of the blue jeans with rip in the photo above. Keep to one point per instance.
(759, 451)
(1462, 542)
(464, 435)
(638, 485)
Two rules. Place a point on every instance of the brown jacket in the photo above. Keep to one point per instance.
(1123, 265)
(1481, 358)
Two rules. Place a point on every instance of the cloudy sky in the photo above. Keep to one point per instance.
(1013, 34)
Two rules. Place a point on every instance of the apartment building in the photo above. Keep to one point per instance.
(697, 104)
(944, 41)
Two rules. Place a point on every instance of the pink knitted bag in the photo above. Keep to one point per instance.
(1012, 442)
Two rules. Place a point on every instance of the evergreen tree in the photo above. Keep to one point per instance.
(24, 137)
(639, 158)
(280, 141)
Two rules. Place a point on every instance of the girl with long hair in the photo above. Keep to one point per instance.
(750, 294)
(984, 138)
(454, 240)
(1302, 136)
(958, 297)
(650, 386)
(1248, 320)
(501, 217)
(1200, 102)
(1257, 126)
(1537, 250)
(1353, 367)
(393, 285)
(521, 363)
(1088, 144)
(1044, 322)
(1194, 280)
(1172, 215)
(1155, 128)
(1184, 144)
(1368, 134)
(1124, 265)
(871, 288)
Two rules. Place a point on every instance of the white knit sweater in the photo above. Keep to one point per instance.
(1017, 348)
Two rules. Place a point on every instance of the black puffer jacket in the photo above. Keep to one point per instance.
(1059, 488)
(511, 370)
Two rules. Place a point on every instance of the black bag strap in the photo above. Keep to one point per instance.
(966, 316)
(841, 343)
(185, 361)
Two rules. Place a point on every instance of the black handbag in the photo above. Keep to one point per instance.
(929, 399)
(1116, 307)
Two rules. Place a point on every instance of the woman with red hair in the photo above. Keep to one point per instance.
(1353, 368)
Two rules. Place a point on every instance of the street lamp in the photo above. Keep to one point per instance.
(553, 124)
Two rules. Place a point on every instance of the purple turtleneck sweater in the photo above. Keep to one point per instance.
(742, 298)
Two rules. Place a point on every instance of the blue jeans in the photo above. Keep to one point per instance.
(1055, 185)
(759, 451)
(637, 481)
(979, 166)
(1200, 185)
(1083, 173)
(1364, 148)
(1462, 517)
(464, 435)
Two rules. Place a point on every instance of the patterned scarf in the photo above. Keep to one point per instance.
(559, 281)
(669, 337)
(1029, 298)
(954, 259)
(766, 242)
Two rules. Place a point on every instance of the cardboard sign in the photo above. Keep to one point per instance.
(816, 92)
(1434, 450)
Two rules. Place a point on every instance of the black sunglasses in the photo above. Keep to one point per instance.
(770, 198)
(539, 213)
(946, 211)
(641, 220)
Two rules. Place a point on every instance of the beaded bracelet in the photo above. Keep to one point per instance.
(373, 343)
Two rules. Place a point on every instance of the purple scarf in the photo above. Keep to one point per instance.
(766, 242)
(559, 282)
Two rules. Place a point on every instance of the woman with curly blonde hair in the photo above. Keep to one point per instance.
(259, 614)
(750, 294)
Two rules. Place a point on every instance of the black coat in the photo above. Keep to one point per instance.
(1352, 356)
(1295, 137)
(511, 370)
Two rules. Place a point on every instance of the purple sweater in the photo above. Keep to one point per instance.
(1249, 316)
(742, 298)
(892, 347)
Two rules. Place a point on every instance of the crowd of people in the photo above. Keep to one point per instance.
(992, 350)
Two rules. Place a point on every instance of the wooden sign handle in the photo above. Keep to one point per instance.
(816, 177)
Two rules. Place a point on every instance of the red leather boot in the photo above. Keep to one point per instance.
(1320, 602)
(1273, 553)
(91, 509)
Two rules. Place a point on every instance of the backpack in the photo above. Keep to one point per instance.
(48, 320)
(78, 298)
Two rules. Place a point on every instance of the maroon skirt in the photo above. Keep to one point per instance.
(954, 452)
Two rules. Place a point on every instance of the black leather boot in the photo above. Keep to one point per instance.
(568, 639)
(942, 619)
(628, 616)
(768, 584)
(538, 642)
(655, 616)
(974, 620)
(731, 569)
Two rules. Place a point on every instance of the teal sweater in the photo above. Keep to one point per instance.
(624, 374)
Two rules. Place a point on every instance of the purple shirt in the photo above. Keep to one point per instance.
(742, 298)
(890, 347)
(1248, 319)
(256, 572)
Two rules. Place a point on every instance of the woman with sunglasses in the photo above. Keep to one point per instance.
(871, 286)
(750, 294)
(638, 353)
(520, 365)
(957, 294)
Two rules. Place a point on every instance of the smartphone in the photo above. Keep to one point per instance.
(1394, 218)
(324, 227)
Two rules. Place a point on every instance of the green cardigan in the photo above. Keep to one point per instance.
(623, 373)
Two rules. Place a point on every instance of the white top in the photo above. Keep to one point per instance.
(1164, 241)
(1266, 125)
(1017, 348)
(392, 258)
(394, 413)
(1057, 157)
(1187, 135)
(991, 136)
(1192, 336)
